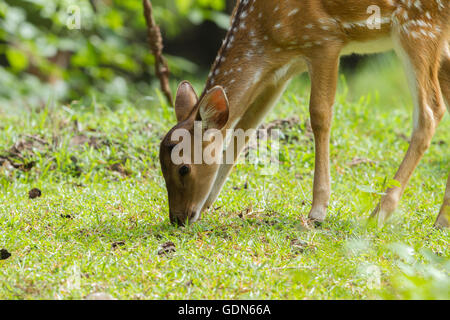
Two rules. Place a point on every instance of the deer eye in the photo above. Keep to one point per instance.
(184, 170)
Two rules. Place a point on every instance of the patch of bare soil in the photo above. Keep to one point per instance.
(31, 143)
(20, 154)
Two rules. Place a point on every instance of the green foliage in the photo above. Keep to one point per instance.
(46, 54)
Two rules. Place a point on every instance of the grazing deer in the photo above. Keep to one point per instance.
(269, 42)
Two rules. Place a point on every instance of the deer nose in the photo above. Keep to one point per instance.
(176, 219)
(183, 219)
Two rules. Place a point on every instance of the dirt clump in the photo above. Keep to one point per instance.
(4, 254)
(34, 193)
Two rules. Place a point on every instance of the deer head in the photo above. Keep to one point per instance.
(189, 180)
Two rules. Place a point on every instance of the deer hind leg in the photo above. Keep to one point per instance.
(443, 220)
(421, 58)
(324, 75)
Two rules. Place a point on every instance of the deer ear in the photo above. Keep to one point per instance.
(214, 109)
(185, 100)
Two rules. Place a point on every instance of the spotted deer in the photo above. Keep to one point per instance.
(271, 41)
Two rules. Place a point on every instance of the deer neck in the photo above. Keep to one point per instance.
(243, 66)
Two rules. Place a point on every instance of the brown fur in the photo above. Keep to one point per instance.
(269, 42)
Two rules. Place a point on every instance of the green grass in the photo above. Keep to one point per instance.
(256, 244)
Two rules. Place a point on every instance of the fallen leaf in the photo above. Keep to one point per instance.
(167, 248)
(116, 244)
(299, 245)
(34, 193)
(4, 254)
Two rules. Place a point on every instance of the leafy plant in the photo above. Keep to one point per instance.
(69, 49)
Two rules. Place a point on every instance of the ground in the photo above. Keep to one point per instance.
(100, 222)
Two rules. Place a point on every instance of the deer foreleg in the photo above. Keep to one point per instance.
(324, 75)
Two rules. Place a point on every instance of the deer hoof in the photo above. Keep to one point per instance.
(317, 216)
(380, 215)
